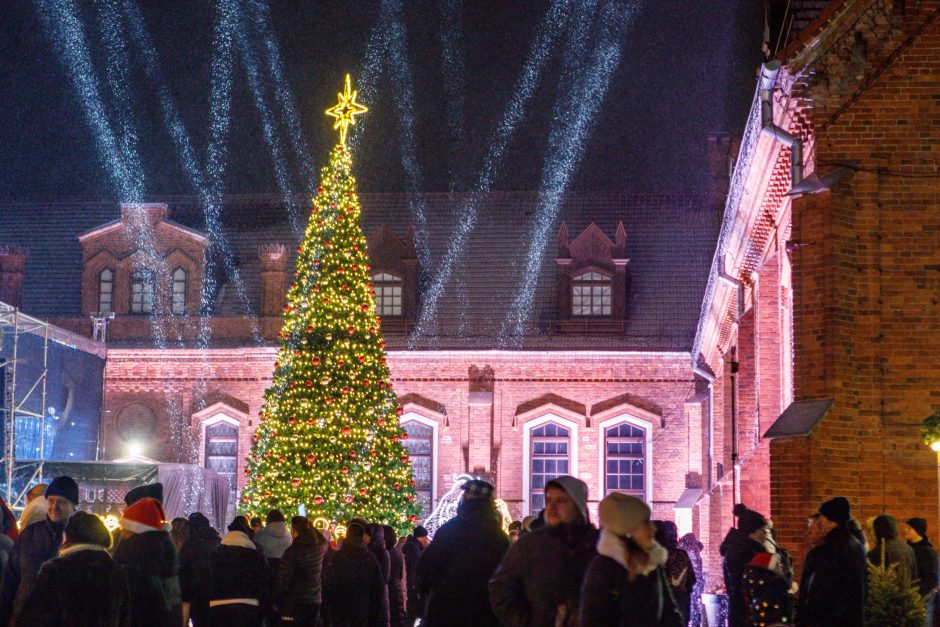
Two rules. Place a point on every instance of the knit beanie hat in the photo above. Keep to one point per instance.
(85, 528)
(749, 521)
(478, 489)
(64, 487)
(919, 525)
(837, 510)
(621, 513)
(576, 489)
(420, 532)
(152, 490)
(145, 515)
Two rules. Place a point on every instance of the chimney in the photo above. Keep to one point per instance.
(12, 272)
(719, 158)
(273, 259)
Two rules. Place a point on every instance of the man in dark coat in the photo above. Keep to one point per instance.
(298, 593)
(738, 548)
(396, 579)
(456, 567)
(147, 554)
(239, 580)
(539, 580)
(196, 568)
(892, 550)
(412, 551)
(928, 570)
(353, 589)
(36, 544)
(834, 583)
(375, 541)
(82, 571)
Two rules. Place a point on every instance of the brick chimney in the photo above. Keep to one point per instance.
(273, 259)
(719, 155)
(12, 272)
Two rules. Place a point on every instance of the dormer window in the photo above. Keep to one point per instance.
(388, 294)
(591, 294)
(178, 300)
(106, 291)
(142, 290)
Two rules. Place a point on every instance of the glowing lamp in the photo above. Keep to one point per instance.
(135, 449)
(935, 446)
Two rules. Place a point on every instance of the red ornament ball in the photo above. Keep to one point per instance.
(345, 470)
(318, 500)
(351, 330)
(295, 482)
(352, 454)
(319, 189)
(311, 459)
(309, 328)
(346, 430)
(315, 361)
(397, 486)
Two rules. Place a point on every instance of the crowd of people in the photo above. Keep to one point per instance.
(833, 586)
(63, 567)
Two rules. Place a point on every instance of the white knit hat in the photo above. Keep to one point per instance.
(621, 513)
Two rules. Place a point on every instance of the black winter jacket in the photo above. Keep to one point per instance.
(153, 577)
(738, 550)
(61, 594)
(299, 575)
(834, 583)
(196, 565)
(414, 602)
(37, 543)
(541, 572)
(239, 570)
(455, 569)
(609, 599)
(928, 569)
(396, 588)
(353, 588)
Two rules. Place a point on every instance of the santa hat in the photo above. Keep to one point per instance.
(145, 515)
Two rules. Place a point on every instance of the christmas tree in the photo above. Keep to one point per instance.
(329, 437)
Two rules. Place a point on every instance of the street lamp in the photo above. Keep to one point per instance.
(930, 432)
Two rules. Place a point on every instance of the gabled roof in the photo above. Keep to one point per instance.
(671, 238)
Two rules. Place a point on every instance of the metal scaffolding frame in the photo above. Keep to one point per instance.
(13, 323)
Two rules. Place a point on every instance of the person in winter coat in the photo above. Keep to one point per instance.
(928, 569)
(626, 584)
(396, 579)
(414, 547)
(147, 555)
(8, 533)
(36, 544)
(888, 550)
(737, 550)
(375, 541)
(239, 580)
(693, 548)
(539, 580)
(195, 568)
(455, 569)
(766, 592)
(834, 582)
(36, 506)
(274, 537)
(297, 593)
(353, 587)
(678, 568)
(82, 571)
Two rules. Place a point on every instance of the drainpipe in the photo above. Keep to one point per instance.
(768, 78)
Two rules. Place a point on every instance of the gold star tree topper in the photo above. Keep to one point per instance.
(346, 110)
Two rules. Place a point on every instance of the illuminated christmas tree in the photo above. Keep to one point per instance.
(329, 437)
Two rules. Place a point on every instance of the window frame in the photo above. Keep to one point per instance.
(380, 284)
(204, 425)
(530, 426)
(101, 282)
(412, 416)
(647, 428)
(146, 277)
(173, 282)
(579, 281)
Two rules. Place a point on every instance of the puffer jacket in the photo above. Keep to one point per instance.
(542, 572)
(239, 570)
(153, 576)
(299, 575)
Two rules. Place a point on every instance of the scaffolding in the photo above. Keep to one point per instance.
(14, 323)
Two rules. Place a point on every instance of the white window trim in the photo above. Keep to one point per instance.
(214, 420)
(647, 427)
(535, 423)
(412, 416)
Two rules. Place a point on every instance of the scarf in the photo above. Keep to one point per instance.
(612, 546)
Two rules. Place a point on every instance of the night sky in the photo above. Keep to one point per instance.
(686, 68)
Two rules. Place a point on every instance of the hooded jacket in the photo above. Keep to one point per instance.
(893, 551)
(274, 539)
(455, 569)
(927, 565)
(153, 577)
(834, 583)
(65, 584)
(737, 551)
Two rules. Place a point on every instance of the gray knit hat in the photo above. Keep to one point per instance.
(621, 513)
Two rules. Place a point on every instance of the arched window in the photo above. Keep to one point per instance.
(142, 284)
(625, 460)
(590, 294)
(549, 448)
(388, 289)
(221, 451)
(420, 446)
(106, 291)
(178, 302)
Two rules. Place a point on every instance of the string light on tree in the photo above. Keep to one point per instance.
(329, 437)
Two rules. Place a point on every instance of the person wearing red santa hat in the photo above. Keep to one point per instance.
(147, 554)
